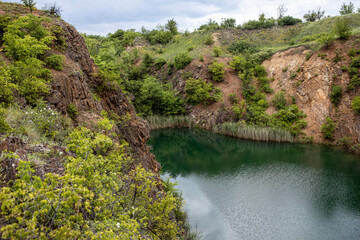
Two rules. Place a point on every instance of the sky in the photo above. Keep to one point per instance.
(106, 16)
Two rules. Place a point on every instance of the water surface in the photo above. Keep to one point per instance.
(238, 189)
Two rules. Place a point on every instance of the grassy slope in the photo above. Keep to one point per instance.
(274, 39)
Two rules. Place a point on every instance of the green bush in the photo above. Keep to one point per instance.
(197, 91)
(328, 129)
(182, 60)
(7, 88)
(217, 51)
(148, 60)
(26, 38)
(72, 111)
(159, 63)
(55, 62)
(288, 20)
(242, 46)
(4, 126)
(335, 95)
(355, 104)
(209, 40)
(99, 195)
(159, 99)
(279, 101)
(342, 28)
(217, 71)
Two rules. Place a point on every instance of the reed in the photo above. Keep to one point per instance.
(157, 122)
(254, 132)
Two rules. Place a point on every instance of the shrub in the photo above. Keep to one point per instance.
(279, 101)
(55, 62)
(148, 60)
(4, 126)
(52, 9)
(59, 37)
(288, 20)
(159, 63)
(217, 51)
(241, 46)
(217, 71)
(189, 49)
(232, 98)
(26, 38)
(326, 39)
(342, 28)
(239, 109)
(182, 60)
(72, 111)
(328, 129)
(346, 8)
(335, 95)
(197, 91)
(156, 98)
(355, 104)
(209, 40)
(7, 88)
(29, 3)
(201, 58)
(99, 193)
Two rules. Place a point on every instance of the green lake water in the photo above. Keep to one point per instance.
(238, 189)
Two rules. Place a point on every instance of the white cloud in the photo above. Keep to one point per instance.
(101, 17)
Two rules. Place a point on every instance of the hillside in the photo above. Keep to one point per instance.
(267, 74)
(74, 161)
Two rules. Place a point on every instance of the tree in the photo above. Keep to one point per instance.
(310, 16)
(319, 13)
(347, 8)
(171, 26)
(30, 4)
(281, 10)
(228, 23)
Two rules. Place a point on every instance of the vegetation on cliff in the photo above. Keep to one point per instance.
(60, 179)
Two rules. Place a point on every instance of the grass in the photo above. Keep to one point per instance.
(180, 44)
(230, 129)
(254, 132)
(157, 122)
(272, 39)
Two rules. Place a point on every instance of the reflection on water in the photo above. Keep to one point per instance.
(236, 189)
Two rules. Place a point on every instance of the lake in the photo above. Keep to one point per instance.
(239, 189)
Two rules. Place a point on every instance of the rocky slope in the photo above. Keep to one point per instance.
(308, 80)
(76, 85)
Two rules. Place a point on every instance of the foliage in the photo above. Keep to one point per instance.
(55, 62)
(342, 28)
(72, 111)
(29, 3)
(209, 40)
(288, 20)
(182, 60)
(53, 9)
(279, 101)
(335, 95)
(217, 51)
(197, 91)
(312, 16)
(7, 88)
(228, 23)
(241, 46)
(155, 98)
(239, 109)
(172, 26)
(217, 71)
(355, 104)
(37, 124)
(59, 37)
(148, 60)
(26, 38)
(346, 8)
(96, 197)
(290, 118)
(4, 126)
(328, 129)
(261, 23)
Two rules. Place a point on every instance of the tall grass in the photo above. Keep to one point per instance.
(157, 122)
(238, 130)
(254, 132)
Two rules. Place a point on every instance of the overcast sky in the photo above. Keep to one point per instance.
(102, 17)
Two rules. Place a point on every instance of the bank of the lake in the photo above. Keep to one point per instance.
(238, 189)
